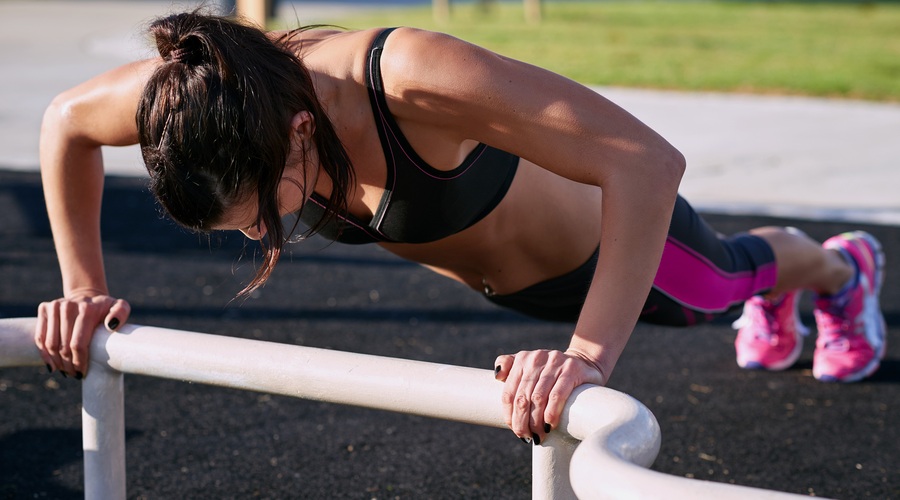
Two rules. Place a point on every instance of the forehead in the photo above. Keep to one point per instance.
(240, 215)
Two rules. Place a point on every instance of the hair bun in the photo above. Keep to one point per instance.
(180, 37)
(185, 55)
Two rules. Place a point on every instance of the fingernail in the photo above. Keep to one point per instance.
(49, 368)
(547, 427)
(113, 323)
(537, 439)
(526, 440)
(78, 376)
(496, 369)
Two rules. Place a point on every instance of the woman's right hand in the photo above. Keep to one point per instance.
(66, 326)
(76, 125)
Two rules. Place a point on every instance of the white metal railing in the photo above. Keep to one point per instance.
(619, 436)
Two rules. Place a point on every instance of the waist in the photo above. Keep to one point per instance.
(545, 227)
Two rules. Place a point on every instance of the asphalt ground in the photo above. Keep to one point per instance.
(782, 431)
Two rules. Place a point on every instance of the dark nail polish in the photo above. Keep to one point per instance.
(496, 369)
(49, 368)
(547, 427)
(526, 440)
(78, 376)
(113, 323)
(537, 439)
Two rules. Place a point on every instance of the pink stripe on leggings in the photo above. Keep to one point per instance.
(695, 282)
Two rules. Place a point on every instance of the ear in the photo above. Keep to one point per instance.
(303, 125)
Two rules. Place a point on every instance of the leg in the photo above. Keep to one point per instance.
(770, 333)
(803, 263)
(845, 273)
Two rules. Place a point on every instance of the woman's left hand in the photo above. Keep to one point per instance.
(537, 386)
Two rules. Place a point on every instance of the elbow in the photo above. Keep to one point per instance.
(668, 169)
(53, 130)
(675, 168)
(679, 163)
(59, 116)
(59, 130)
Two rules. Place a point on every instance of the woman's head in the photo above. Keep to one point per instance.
(215, 126)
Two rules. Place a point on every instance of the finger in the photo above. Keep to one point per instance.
(575, 372)
(51, 336)
(40, 334)
(69, 314)
(522, 423)
(510, 388)
(80, 341)
(118, 315)
(556, 403)
(502, 366)
(542, 392)
(566, 382)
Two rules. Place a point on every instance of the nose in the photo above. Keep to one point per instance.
(256, 232)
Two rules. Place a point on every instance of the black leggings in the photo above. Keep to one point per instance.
(702, 275)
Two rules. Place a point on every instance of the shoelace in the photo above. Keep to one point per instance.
(764, 315)
(834, 327)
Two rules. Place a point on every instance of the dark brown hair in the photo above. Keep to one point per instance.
(214, 123)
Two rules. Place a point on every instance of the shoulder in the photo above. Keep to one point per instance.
(418, 42)
(413, 51)
(425, 65)
(436, 77)
(101, 110)
(337, 53)
(309, 42)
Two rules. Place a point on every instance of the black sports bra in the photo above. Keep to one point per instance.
(420, 203)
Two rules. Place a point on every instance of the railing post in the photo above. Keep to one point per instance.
(103, 433)
(440, 10)
(550, 468)
(255, 11)
(533, 11)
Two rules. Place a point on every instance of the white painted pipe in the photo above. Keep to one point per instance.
(620, 436)
(415, 387)
(616, 451)
(17, 346)
(550, 467)
(103, 433)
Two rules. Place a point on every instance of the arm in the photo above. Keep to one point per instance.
(75, 126)
(578, 134)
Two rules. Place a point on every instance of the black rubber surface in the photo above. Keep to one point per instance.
(782, 431)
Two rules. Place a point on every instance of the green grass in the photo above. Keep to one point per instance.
(821, 49)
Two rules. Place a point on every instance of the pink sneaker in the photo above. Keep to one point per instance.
(851, 327)
(770, 334)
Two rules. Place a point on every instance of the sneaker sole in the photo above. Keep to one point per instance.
(775, 367)
(880, 261)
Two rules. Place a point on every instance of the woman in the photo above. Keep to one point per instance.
(489, 171)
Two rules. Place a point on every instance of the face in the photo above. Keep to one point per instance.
(243, 216)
